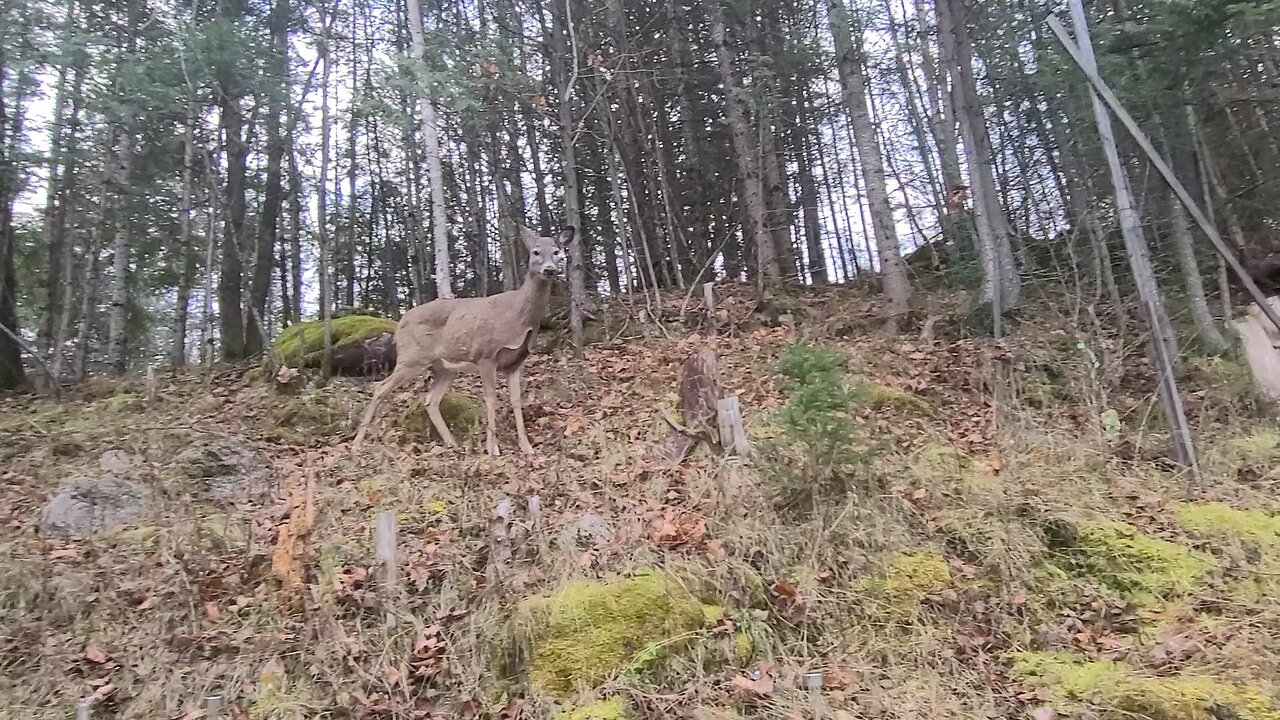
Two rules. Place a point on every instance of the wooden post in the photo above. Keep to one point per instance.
(152, 390)
(385, 546)
(709, 300)
(733, 435)
(212, 707)
(84, 710)
(1082, 57)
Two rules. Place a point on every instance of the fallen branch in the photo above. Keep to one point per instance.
(26, 347)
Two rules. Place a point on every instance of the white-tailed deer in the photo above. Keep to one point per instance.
(489, 335)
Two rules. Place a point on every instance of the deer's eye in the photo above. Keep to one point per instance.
(537, 253)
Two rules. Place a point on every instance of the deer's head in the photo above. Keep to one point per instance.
(546, 255)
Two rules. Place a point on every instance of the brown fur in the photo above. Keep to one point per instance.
(491, 335)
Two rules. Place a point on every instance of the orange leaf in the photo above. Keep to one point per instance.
(94, 654)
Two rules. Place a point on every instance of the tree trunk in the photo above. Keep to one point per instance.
(435, 171)
(565, 46)
(118, 332)
(273, 192)
(178, 348)
(230, 280)
(1001, 282)
(850, 64)
(12, 375)
(746, 155)
(322, 199)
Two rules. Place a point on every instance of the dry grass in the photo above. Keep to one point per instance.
(184, 604)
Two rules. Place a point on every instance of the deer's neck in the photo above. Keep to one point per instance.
(535, 296)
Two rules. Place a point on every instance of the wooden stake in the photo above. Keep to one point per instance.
(385, 546)
(733, 436)
(709, 300)
(84, 710)
(152, 390)
(212, 706)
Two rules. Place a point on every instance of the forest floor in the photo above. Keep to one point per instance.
(932, 552)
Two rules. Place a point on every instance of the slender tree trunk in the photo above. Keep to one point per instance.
(12, 374)
(565, 46)
(178, 348)
(435, 171)
(322, 195)
(60, 162)
(1001, 282)
(118, 332)
(273, 191)
(746, 154)
(850, 64)
(1130, 225)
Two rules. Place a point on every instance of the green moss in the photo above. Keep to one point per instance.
(1135, 564)
(134, 535)
(904, 583)
(1223, 522)
(462, 414)
(591, 630)
(608, 709)
(712, 614)
(1115, 690)
(119, 403)
(1258, 447)
(883, 397)
(299, 342)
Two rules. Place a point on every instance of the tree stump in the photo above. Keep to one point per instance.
(699, 394)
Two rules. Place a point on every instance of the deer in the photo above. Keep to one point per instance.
(491, 336)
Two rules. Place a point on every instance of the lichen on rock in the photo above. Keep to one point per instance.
(1112, 689)
(591, 630)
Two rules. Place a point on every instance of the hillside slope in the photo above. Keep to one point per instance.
(933, 552)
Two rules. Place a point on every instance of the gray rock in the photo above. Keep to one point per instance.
(118, 462)
(589, 530)
(89, 505)
(228, 469)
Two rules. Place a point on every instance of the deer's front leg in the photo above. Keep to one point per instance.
(517, 408)
(489, 375)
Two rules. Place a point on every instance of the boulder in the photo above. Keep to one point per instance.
(228, 469)
(362, 345)
(91, 504)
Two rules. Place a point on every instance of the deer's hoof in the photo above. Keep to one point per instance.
(494, 451)
(527, 449)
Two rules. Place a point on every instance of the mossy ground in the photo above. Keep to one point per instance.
(1113, 689)
(589, 631)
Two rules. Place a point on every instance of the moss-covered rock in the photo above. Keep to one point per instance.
(608, 709)
(301, 344)
(591, 630)
(1138, 566)
(1114, 690)
(902, 584)
(1218, 521)
(462, 414)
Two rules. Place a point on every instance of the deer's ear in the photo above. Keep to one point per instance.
(566, 234)
(528, 237)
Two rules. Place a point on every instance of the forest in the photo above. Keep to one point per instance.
(182, 181)
(881, 359)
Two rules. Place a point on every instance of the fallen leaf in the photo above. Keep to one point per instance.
(94, 654)
(212, 612)
(1044, 713)
(761, 687)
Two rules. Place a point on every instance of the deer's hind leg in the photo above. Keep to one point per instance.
(441, 379)
(402, 375)
(489, 376)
